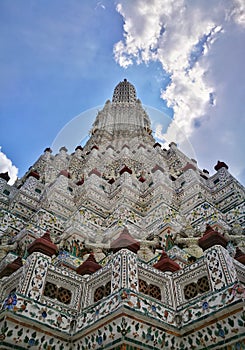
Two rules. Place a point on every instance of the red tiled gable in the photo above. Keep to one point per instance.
(34, 173)
(43, 245)
(189, 166)
(157, 167)
(95, 172)
(142, 179)
(125, 169)
(166, 264)
(65, 173)
(89, 266)
(111, 181)
(11, 267)
(211, 238)
(125, 240)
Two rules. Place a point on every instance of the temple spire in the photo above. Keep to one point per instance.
(124, 115)
(124, 92)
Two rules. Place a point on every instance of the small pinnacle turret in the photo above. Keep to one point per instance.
(124, 92)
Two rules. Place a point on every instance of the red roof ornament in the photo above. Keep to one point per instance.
(157, 144)
(95, 172)
(189, 166)
(142, 179)
(111, 181)
(65, 173)
(89, 266)
(211, 238)
(166, 264)
(220, 165)
(125, 240)
(240, 256)
(125, 169)
(80, 182)
(11, 267)
(34, 173)
(43, 245)
(157, 167)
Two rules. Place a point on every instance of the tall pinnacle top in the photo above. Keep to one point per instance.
(124, 114)
(124, 92)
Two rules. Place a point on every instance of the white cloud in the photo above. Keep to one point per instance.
(237, 12)
(221, 134)
(7, 166)
(187, 38)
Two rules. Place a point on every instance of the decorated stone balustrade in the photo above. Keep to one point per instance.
(149, 336)
(157, 278)
(211, 304)
(121, 303)
(63, 290)
(112, 333)
(126, 299)
(24, 307)
(92, 282)
(221, 267)
(75, 307)
(21, 336)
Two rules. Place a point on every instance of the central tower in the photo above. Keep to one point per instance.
(124, 116)
(121, 245)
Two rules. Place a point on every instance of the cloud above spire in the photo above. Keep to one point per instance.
(182, 35)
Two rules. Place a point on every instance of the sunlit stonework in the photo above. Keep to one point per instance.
(122, 245)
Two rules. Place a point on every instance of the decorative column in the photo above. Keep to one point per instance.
(34, 274)
(36, 266)
(124, 271)
(221, 268)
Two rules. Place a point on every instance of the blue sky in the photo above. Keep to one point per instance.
(60, 58)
